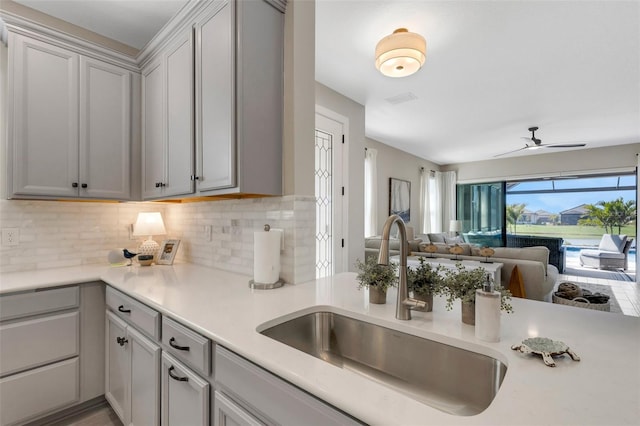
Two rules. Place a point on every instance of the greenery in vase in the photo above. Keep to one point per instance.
(462, 284)
(371, 274)
(425, 279)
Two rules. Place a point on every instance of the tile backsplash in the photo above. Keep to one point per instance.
(58, 234)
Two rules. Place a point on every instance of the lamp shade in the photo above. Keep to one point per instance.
(149, 223)
(455, 225)
(401, 53)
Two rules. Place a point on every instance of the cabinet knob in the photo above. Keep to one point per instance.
(178, 378)
(121, 340)
(84, 185)
(74, 184)
(180, 348)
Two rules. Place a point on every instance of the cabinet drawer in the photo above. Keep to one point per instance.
(38, 302)
(187, 345)
(38, 392)
(271, 396)
(144, 318)
(34, 342)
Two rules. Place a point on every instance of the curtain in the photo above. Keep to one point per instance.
(425, 204)
(370, 193)
(438, 200)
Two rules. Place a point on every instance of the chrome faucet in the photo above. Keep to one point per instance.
(404, 302)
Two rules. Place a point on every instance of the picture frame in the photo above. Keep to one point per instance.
(400, 198)
(167, 253)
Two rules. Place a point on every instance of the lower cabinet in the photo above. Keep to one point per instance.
(228, 413)
(132, 381)
(51, 351)
(260, 396)
(185, 395)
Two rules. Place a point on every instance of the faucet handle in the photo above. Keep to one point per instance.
(415, 304)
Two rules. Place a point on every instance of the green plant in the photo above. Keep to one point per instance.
(425, 279)
(462, 283)
(371, 274)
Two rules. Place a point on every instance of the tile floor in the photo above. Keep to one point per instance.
(627, 293)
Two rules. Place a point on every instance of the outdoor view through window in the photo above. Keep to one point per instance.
(580, 210)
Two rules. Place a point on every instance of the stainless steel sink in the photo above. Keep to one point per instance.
(445, 377)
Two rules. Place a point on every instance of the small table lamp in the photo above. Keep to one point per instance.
(149, 224)
(455, 226)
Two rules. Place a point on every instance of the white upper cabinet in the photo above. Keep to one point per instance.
(239, 102)
(105, 128)
(43, 118)
(168, 147)
(215, 121)
(69, 123)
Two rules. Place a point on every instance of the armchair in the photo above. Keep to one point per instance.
(612, 253)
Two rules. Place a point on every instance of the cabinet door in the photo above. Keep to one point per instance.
(153, 130)
(43, 118)
(180, 143)
(215, 138)
(117, 371)
(105, 126)
(145, 380)
(185, 396)
(228, 413)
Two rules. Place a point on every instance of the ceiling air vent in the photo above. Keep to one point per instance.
(401, 98)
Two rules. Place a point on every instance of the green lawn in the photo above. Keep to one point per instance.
(568, 232)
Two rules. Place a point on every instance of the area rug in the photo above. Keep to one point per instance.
(599, 273)
(603, 289)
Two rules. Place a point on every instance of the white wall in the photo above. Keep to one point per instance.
(567, 163)
(392, 162)
(354, 112)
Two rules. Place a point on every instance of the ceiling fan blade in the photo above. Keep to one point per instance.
(565, 145)
(511, 152)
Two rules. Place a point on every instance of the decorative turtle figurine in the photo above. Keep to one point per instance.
(546, 347)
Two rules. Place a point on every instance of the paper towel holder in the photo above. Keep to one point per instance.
(266, 286)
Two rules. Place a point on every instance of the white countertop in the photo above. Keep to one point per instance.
(603, 388)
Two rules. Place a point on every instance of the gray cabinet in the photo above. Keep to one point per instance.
(267, 398)
(51, 345)
(239, 101)
(132, 373)
(167, 146)
(69, 123)
(185, 395)
(228, 413)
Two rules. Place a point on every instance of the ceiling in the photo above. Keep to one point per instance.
(493, 68)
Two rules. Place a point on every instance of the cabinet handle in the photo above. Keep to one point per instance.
(121, 340)
(173, 345)
(160, 184)
(84, 185)
(74, 184)
(178, 378)
(195, 177)
(123, 310)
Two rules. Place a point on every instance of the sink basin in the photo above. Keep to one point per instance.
(445, 377)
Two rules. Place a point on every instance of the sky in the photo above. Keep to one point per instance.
(557, 202)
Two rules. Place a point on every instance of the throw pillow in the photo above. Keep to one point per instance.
(436, 238)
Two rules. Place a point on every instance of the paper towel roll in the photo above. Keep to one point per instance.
(266, 257)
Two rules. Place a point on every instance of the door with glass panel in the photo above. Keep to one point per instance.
(329, 192)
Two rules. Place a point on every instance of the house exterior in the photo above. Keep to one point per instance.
(573, 215)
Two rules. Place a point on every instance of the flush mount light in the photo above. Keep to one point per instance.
(401, 53)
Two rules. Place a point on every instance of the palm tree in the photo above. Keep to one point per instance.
(514, 211)
(610, 214)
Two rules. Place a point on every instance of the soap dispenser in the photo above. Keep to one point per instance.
(488, 312)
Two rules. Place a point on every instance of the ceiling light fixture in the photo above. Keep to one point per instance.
(401, 53)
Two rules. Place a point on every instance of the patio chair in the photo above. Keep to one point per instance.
(611, 253)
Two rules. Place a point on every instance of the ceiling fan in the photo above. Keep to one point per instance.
(537, 144)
